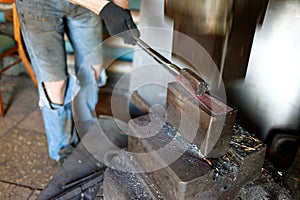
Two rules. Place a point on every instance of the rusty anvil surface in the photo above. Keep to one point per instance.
(203, 120)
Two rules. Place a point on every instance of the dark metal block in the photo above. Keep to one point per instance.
(203, 120)
(187, 177)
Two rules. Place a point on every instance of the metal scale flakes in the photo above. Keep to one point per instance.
(192, 177)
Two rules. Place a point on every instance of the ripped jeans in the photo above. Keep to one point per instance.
(44, 24)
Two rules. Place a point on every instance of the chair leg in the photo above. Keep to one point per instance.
(1, 106)
(27, 65)
(21, 50)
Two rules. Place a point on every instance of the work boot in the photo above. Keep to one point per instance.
(64, 153)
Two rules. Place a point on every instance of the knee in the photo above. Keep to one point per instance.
(55, 91)
(100, 75)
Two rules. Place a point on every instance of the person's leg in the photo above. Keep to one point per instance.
(85, 33)
(43, 28)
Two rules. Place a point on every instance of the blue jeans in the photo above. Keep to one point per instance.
(44, 24)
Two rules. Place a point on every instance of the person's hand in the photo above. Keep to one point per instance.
(119, 21)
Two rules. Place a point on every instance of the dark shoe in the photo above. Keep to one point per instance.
(64, 153)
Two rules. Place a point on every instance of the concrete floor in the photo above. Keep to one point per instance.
(25, 167)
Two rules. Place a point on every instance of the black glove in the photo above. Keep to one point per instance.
(119, 21)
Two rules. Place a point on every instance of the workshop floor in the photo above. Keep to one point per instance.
(25, 167)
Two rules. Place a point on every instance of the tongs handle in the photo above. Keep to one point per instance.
(186, 76)
(174, 69)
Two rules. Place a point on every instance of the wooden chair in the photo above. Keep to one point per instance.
(9, 46)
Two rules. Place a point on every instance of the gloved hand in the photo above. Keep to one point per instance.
(119, 21)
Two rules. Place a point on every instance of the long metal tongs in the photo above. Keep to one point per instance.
(188, 78)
